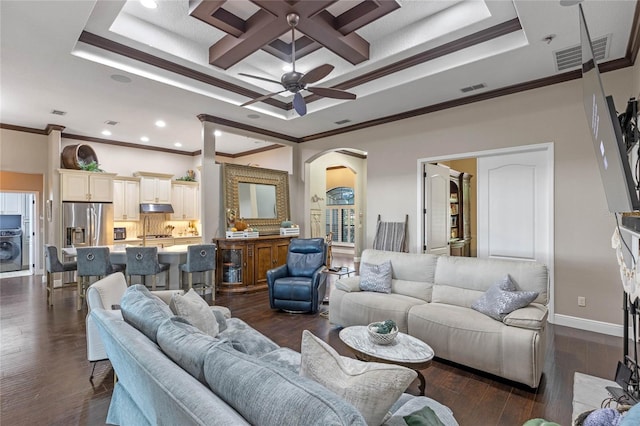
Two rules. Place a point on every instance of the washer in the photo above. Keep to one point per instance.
(10, 250)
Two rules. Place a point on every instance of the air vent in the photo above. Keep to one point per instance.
(58, 112)
(111, 123)
(472, 88)
(343, 122)
(572, 57)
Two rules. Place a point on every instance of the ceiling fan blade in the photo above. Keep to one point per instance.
(316, 74)
(262, 98)
(331, 93)
(260, 78)
(299, 104)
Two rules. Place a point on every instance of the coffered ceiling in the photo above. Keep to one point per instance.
(118, 61)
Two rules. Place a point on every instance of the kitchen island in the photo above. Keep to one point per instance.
(173, 255)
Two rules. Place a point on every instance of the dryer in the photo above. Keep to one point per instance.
(10, 250)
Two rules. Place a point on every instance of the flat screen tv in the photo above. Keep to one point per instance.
(611, 152)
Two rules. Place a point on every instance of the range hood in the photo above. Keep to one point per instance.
(156, 208)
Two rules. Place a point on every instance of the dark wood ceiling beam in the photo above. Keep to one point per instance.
(350, 47)
(261, 28)
(282, 50)
(306, 9)
(212, 13)
(318, 24)
(363, 14)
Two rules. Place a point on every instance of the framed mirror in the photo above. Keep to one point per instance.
(258, 196)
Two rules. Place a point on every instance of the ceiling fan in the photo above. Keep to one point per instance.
(295, 82)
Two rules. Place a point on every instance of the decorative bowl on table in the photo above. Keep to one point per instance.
(383, 332)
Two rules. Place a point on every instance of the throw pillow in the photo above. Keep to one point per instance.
(194, 309)
(143, 310)
(186, 345)
(423, 417)
(502, 298)
(266, 395)
(369, 386)
(376, 277)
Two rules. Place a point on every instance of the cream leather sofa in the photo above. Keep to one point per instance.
(431, 299)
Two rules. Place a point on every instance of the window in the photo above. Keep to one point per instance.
(340, 215)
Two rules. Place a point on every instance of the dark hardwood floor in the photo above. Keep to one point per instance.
(45, 373)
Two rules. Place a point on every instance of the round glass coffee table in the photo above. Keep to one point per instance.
(405, 350)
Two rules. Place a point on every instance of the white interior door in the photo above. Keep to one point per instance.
(436, 211)
(515, 196)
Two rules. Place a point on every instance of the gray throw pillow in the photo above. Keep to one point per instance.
(266, 395)
(143, 310)
(186, 345)
(502, 298)
(376, 277)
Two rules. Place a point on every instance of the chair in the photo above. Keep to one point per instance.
(300, 284)
(106, 294)
(200, 258)
(93, 262)
(143, 261)
(390, 236)
(53, 266)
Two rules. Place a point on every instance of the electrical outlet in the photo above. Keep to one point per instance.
(582, 301)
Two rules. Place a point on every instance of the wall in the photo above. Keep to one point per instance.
(23, 152)
(585, 264)
(275, 159)
(340, 177)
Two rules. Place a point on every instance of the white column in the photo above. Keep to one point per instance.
(210, 186)
(52, 194)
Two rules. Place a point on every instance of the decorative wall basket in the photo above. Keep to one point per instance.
(73, 154)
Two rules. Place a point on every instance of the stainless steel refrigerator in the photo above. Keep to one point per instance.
(87, 224)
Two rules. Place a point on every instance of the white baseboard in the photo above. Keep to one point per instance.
(590, 325)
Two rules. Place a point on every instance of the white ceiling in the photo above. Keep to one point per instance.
(44, 66)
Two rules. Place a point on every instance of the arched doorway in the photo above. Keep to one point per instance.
(324, 173)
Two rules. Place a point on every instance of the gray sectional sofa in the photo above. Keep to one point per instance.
(431, 298)
(169, 373)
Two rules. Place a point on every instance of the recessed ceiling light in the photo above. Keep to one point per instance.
(106, 133)
(120, 78)
(160, 123)
(144, 139)
(569, 2)
(111, 122)
(217, 133)
(178, 144)
(149, 4)
(253, 116)
(58, 112)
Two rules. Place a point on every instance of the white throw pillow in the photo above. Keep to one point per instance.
(194, 309)
(371, 387)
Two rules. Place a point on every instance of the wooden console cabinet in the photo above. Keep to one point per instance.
(242, 264)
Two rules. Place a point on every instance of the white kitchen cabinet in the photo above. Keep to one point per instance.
(187, 240)
(184, 199)
(154, 187)
(126, 198)
(78, 185)
(11, 203)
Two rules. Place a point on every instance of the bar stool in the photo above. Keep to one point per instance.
(53, 265)
(200, 258)
(143, 261)
(93, 262)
